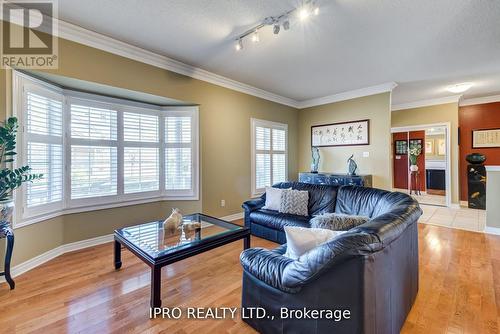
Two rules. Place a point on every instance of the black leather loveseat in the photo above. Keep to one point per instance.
(371, 270)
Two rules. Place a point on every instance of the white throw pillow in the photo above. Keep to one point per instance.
(299, 240)
(273, 198)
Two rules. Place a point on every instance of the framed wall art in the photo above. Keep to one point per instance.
(486, 138)
(429, 146)
(400, 147)
(341, 134)
(441, 147)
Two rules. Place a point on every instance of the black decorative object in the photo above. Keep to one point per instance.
(475, 158)
(476, 177)
(352, 166)
(6, 232)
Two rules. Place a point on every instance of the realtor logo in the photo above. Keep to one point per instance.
(28, 30)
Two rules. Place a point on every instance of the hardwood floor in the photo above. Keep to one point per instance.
(80, 292)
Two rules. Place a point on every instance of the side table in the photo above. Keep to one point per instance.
(6, 232)
(414, 182)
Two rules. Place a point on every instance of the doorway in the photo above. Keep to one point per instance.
(421, 163)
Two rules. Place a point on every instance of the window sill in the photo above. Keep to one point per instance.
(46, 216)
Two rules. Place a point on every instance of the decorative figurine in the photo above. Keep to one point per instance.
(315, 159)
(352, 166)
(174, 221)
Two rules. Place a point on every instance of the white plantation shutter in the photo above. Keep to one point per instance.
(269, 160)
(94, 158)
(44, 153)
(93, 171)
(178, 153)
(96, 151)
(140, 127)
(141, 170)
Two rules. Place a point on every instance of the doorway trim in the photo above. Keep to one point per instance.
(446, 125)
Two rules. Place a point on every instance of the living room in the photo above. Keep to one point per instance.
(153, 142)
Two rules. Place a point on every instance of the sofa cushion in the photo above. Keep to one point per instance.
(278, 220)
(294, 202)
(300, 240)
(337, 221)
(322, 197)
(273, 198)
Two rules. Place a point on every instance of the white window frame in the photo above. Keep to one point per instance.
(254, 123)
(25, 217)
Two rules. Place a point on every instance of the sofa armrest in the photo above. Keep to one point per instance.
(314, 263)
(254, 204)
(267, 266)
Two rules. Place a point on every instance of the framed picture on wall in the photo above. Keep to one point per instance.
(441, 147)
(400, 147)
(341, 134)
(429, 146)
(486, 138)
(415, 143)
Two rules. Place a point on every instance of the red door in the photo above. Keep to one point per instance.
(400, 161)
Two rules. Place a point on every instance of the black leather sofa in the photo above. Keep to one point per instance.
(372, 270)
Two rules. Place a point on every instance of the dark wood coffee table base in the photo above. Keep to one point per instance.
(157, 264)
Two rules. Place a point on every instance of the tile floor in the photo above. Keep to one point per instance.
(462, 218)
(425, 198)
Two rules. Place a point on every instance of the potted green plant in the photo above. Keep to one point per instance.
(10, 178)
(413, 152)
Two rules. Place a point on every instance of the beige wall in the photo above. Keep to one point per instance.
(376, 108)
(224, 137)
(492, 199)
(443, 113)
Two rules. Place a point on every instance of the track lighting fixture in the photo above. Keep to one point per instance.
(276, 29)
(308, 8)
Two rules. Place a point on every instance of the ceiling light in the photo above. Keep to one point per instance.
(239, 44)
(459, 88)
(316, 10)
(304, 13)
(286, 24)
(255, 36)
(276, 29)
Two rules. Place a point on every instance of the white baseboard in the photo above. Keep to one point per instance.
(233, 217)
(53, 253)
(492, 230)
(74, 246)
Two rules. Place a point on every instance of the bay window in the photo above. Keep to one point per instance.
(96, 151)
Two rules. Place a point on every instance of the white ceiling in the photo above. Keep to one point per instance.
(422, 45)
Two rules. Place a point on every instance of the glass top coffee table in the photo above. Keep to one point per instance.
(158, 246)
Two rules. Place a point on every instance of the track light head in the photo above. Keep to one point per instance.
(239, 44)
(255, 36)
(276, 29)
(286, 24)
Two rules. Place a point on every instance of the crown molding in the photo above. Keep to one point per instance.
(427, 103)
(480, 100)
(367, 91)
(96, 40)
